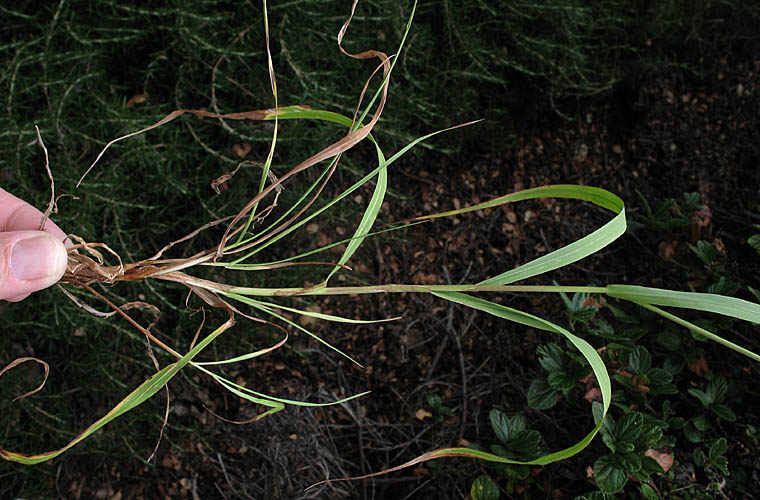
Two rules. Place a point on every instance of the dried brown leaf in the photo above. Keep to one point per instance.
(664, 459)
(137, 99)
(19, 361)
(422, 414)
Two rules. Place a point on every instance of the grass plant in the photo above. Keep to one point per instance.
(95, 270)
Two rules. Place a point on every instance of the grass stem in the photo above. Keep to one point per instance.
(398, 288)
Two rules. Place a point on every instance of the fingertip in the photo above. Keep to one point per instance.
(33, 260)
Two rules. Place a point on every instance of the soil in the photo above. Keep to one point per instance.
(668, 135)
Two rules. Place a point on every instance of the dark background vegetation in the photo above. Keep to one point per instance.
(650, 100)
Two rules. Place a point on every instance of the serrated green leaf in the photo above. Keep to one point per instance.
(551, 357)
(609, 475)
(640, 361)
(624, 447)
(584, 314)
(692, 433)
(526, 445)
(518, 472)
(703, 397)
(560, 381)
(650, 436)
(754, 242)
(723, 412)
(718, 448)
(483, 488)
(608, 427)
(724, 287)
(717, 389)
(651, 466)
(597, 411)
(603, 329)
(631, 462)
(648, 492)
(722, 464)
(705, 251)
(691, 202)
(629, 428)
(658, 376)
(434, 400)
(506, 428)
(676, 423)
(518, 425)
(609, 441)
(541, 396)
(641, 476)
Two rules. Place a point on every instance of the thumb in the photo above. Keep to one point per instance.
(29, 261)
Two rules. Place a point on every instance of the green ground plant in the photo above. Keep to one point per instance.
(629, 439)
(440, 411)
(515, 442)
(670, 214)
(652, 432)
(262, 222)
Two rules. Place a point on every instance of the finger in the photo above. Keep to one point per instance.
(29, 261)
(18, 215)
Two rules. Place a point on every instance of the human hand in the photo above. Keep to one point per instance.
(30, 259)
